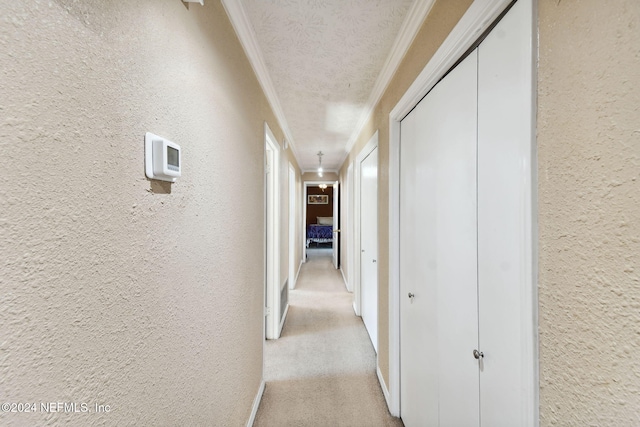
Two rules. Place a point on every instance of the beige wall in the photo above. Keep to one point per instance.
(313, 176)
(441, 20)
(589, 204)
(589, 212)
(116, 290)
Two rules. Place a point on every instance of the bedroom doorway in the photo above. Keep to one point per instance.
(321, 219)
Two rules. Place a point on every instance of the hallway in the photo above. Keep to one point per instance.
(321, 372)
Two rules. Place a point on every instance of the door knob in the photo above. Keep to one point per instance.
(411, 295)
(375, 260)
(478, 354)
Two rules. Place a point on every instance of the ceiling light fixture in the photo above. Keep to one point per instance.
(320, 154)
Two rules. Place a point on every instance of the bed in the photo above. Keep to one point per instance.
(322, 232)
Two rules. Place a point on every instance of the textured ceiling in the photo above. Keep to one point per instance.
(323, 57)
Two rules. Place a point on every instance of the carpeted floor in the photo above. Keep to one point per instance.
(321, 372)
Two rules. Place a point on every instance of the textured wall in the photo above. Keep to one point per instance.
(589, 212)
(443, 17)
(116, 290)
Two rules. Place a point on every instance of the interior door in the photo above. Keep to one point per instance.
(336, 226)
(369, 244)
(438, 255)
(504, 212)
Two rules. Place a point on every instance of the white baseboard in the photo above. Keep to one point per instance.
(284, 317)
(293, 283)
(346, 283)
(256, 404)
(383, 386)
(299, 268)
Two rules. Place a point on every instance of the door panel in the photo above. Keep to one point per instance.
(369, 245)
(438, 255)
(504, 147)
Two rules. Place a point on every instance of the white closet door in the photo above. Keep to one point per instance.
(504, 218)
(369, 245)
(438, 245)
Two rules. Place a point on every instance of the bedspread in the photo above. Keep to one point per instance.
(319, 233)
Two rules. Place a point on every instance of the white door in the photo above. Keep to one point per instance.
(438, 253)
(336, 225)
(369, 244)
(504, 219)
(466, 240)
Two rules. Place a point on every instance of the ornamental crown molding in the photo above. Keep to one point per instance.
(408, 31)
(242, 26)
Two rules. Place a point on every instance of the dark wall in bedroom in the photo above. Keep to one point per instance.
(314, 211)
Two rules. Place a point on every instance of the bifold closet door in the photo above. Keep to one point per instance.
(504, 221)
(438, 255)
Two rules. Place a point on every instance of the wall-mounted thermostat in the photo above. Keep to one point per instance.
(162, 158)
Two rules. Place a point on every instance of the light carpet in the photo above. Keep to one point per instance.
(321, 372)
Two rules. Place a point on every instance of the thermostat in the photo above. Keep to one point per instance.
(162, 158)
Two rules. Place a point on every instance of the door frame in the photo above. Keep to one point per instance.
(347, 229)
(336, 225)
(293, 200)
(308, 184)
(272, 234)
(478, 18)
(363, 154)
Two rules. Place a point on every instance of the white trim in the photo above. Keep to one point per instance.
(292, 202)
(249, 41)
(383, 385)
(344, 278)
(307, 184)
(256, 404)
(371, 145)
(336, 232)
(299, 269)
(315, 170)
(394, 266)
(535, 254)
(478, 18)
(273, 230)
(316, 183)
(347, 227)
(408, 31)
(480, 15)
(284, 317)
(242, 26)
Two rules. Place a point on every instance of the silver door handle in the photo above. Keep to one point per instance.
(411, 295)
(375, 260)
(478, 354)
